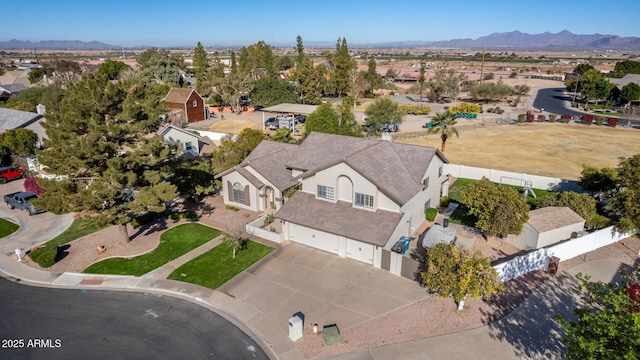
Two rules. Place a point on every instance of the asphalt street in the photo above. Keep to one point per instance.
(45, 323)
(553, 100)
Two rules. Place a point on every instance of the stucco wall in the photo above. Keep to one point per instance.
(175, 135)
(232, 178)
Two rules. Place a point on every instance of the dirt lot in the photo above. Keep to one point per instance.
(557, 150)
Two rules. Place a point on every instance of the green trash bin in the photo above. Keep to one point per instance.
(475, 116)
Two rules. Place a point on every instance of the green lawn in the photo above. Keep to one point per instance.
(461, 215)
(7, 228)
(78, 229)
(217, 266)
(173, 243)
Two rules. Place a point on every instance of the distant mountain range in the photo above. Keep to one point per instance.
(564, 40)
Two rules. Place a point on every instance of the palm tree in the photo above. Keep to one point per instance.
(443, 123)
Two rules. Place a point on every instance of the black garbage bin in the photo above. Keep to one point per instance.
(445, 223)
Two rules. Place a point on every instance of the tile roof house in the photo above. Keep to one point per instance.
(186, 105)
(193, 145)
(357, 196)
(6, 91)
(547, 226)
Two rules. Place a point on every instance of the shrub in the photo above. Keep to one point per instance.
(182, 215)
(541, 117)
(586, 119)
(30, 184)
(599, 120)
(44, 256)
(513, 75)
(552, 118)
(414, 109)
(466, 108)
(444, 201)
(565, 118)
(431, 213)
(522, 117)
(497, 110)
(232, 208)
(145, 219)
(613, 122)
(268, 219)
(530, 117)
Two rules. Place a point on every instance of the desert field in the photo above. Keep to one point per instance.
(233, 126)
(556, 150)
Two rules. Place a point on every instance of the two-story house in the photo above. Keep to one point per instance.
(357, 196)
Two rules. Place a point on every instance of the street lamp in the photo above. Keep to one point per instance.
(575, 90)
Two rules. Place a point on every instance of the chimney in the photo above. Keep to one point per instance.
(41, 109)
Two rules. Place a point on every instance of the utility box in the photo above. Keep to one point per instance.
(295, 328)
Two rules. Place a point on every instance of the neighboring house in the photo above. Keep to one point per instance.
(15, 77)
(626, 80)
(187, 105)
(547, 226)
(7, 91)
(13, 119)
(193, 145)
(358, 196)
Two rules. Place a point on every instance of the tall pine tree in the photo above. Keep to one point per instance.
(101, 144)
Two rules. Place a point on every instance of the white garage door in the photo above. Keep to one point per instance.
(360, 251)
(316, 239)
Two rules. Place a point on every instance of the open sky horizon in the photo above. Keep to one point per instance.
(165, 23)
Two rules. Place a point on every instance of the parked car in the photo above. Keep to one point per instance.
(9, 173)
(269, 121)
(22, 200)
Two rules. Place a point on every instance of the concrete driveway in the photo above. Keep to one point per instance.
(327, 289)
(34, 230)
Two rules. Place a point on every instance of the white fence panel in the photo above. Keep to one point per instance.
(498, 176)
(253, 228)
(539, 259)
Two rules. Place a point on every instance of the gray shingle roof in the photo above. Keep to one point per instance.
(250, 177)
(552, 217)
(12, 119)
(269, 159)
(340, 218)
(396, 169)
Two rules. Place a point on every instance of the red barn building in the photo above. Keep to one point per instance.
(186, 104)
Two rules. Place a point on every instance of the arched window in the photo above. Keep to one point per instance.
(238, 193)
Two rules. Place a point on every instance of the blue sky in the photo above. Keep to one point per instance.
(233, 22)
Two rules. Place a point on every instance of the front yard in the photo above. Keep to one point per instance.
(173, 243)
(217, 266)
(7, 228)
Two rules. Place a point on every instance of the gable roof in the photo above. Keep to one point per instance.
(626, 80)
(179, 95)
(395, 169)
(14, 88)
(269, 159)
(552, 217)
(340, 218)
(205, 144)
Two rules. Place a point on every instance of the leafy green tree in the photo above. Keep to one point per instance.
(582, 68)
(201, 70)
(593, 85)
(324, 119)
(490, 91)
(28, 99)
(457, 273)
(234, 64)
(112, 69)
(232, 87)
(607, 324)
(255, 56)
(583, 205)
(283, 63)
(627, 67)
(342, 64)
(347, 123)
(232, 152)
(630, 92)
(102, 143)
(270, 91)
(500, 209)
(36, 74)
(380, 112)
(444, 123)
(20, 141)
(194, 177)
(597, 180)
(160, 66)
(421, 79)
(447, 83)
(373, 78)
(310, 80)
(624, 198)
(66, 71)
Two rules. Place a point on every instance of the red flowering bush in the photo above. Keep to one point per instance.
(30, 184)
